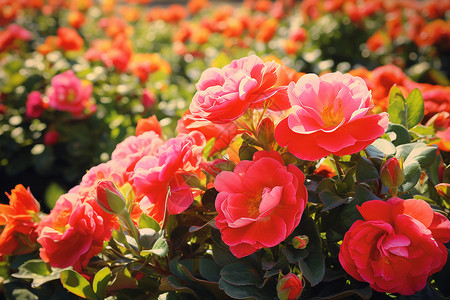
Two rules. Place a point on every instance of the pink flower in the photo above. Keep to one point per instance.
(69, 93)
(35, 106)
(155, 174)
(259, 203)
(397, 246)
(133, 148)
(148, 99)
(223, 95)
(72, 233)
(330, 114)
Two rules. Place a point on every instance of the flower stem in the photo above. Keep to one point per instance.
(338, 167)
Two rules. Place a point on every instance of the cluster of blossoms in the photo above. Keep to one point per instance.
(259, 200)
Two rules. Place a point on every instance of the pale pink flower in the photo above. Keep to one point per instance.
(331, 114)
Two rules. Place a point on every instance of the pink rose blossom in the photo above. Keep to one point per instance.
(223, 95)
(72, 233)
(397, 246)
(331, 114)
(260, 203)
(155, 174)
(69, 93)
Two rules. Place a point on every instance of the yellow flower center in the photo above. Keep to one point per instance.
(332, 115)
(253, 204)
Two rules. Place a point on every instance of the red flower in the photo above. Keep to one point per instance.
(397, 245)
(259, 203)
(20, 221)
(51, 137)
(35, 106)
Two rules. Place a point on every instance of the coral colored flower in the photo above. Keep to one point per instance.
(223, 95)
(397, 246)
(289, 287)
(72, 233)
(155, 175)
(259, 203)
(330, 114)
(224, 133)
(148, 124)
(267, 30)
(69, 93)
(19, 219)
(69, 39)
(194, 6)
(35, 106)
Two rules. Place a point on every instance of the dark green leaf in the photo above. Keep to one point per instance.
(209, 269)
(241, 274)
(412, 176)
(366, 171)
(398, 134)
(246, 152)
(421, 153)
(243, 291)
(330, 200)
(77, 284)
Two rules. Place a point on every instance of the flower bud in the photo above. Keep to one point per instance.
(110, 198)
(392, 173)
(443, 190)
(289, 287)
(300, 241)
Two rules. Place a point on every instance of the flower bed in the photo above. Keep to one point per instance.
(191, 162)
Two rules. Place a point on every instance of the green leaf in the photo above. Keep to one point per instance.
(330, 200)
(38, 271)
(398, 134)
(101, 281)
(208, 147)
(160, 248)
(397, 107)
(241, 274)
(412, 176)
(415, 108)
(77, 284)
(366, 170)
(417, 152)
(243, 291)
(381, 148)
(148, 222)
(209, 269)
(246, 152)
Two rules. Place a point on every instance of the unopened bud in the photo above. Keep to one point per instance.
(443, 190)
(392, 173)
(110, 198)
(289, 287)
(300, 241)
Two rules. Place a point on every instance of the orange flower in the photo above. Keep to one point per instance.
(49, 45)
(148, 124)
(377, 41)
(200, 35)
(267, 30)
(194, 6)
(175, 13)
(129, 13)
(20, 221)
(69, 39)
(76, 19)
